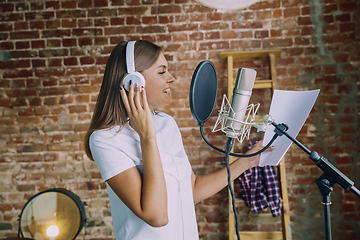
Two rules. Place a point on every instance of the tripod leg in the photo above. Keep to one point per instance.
(325, 190)
(327, 202)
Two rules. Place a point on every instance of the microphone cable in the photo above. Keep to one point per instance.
(234, 154)
(229, 145)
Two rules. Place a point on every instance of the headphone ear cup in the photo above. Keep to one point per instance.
(136, 78)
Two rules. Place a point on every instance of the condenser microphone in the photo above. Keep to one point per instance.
(239, 102)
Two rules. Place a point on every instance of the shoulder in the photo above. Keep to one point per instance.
(116, 133)
(104, 134)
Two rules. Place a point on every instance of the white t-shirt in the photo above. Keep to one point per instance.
(116, 152)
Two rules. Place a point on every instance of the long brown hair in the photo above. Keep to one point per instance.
(109, 109)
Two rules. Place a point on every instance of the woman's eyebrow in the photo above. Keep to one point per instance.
(162, 66)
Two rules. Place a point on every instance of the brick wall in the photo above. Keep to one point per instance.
(53, 54)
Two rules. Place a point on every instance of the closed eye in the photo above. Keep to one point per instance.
(163, 68)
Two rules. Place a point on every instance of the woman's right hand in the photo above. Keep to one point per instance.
(139, 112)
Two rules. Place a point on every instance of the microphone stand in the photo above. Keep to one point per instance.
(329, 178)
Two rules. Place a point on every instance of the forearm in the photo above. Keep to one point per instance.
(206, 186)
(154, 194)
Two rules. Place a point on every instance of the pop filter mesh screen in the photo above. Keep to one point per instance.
(203, 91)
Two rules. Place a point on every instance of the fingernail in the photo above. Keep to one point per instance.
(120, 87)
(130, 82)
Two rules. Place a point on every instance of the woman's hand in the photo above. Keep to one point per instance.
(137, 108)
(254, 161)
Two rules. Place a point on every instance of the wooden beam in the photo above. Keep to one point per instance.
(261, 235)
(249, 56)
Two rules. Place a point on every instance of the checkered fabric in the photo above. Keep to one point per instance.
(260, 189)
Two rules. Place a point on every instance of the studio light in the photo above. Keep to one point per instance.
(53, 214)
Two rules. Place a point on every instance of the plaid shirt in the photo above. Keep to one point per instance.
(260, 189)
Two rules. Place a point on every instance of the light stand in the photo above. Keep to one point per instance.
(329, 178)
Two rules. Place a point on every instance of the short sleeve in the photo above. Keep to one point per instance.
(109, 158)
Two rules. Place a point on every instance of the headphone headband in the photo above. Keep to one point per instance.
(132, 76)
(130, 62)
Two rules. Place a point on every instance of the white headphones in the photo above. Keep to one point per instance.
(135, 77)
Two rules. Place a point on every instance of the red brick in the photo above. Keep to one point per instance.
(265, 5)
(25, 187)
(37, 25)
(213, 26)
(261, 34)
(68, 4)
(53, 43)
(277, 13)
(304, 21)
(278, 43)
(100, 3)
(36, 6)
(26, 112)
(212, 35)
(83, 23)
(22, 45)
(71, 14)
(87, 60)
(214, 45)
(347, 27)
(246, 34)
(262, 15)
(228, 34)
(68, 23)
(118, 30)
(132, 11)
(183, 27)
(29, 16)
(5, 27)
(196, 17)
(214, 16)
(54, 53)
(299, 41)
(291, 12)
(7, 45)
(151, 29)
(53, 24)
(117, 21)
(195, 8)
(70, 61)
(347, 7)
(6, 207)
(6, 7)
(306, 10)
(250, 25)
(84, 4)
(101, 12)
(52, 5)
(24, 34)
(348, 207)
(49, 72)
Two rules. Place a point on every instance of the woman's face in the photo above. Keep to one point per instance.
(157, 83)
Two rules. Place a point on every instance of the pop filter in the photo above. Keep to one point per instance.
(203, 90)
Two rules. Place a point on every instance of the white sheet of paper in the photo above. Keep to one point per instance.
(291, 108)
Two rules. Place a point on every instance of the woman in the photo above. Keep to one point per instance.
(151, 186)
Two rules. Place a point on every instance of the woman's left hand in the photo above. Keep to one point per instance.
(254, 161)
